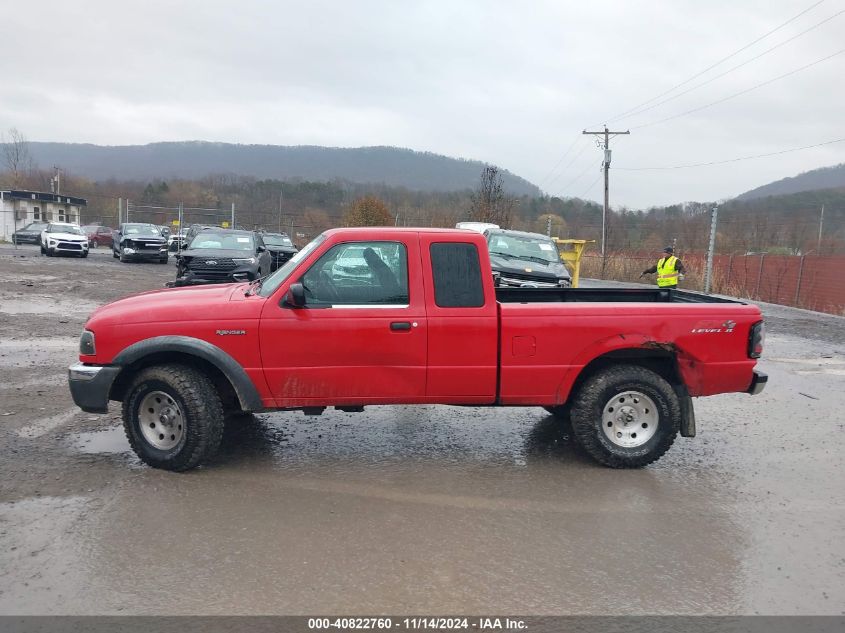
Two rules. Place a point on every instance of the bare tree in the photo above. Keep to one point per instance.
(489, 201)
(16, 155)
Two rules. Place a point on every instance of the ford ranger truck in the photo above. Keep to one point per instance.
(419, 323)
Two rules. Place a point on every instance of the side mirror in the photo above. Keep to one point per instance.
(295, 296)
(261, 249)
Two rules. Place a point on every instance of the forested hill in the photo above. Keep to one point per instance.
(392, 166)
(824, 178)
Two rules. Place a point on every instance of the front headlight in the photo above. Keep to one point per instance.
(241, 260)
(51, 242)
(128, 251)
(86, 343)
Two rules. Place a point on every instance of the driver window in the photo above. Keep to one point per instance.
(359, 274)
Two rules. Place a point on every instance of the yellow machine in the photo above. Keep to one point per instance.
(570, 253)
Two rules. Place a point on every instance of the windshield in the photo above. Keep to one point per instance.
(222, 240)
(523, 247)
(64, 228)
(140, 229)
(275, 280)
(277, 240)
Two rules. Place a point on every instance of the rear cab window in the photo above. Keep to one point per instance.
(456, 271)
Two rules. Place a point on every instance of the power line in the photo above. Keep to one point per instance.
(557, 164)
(740, 93)
(730, 70)
(569, 164)
(590, 188)
(721, 61)
(578, 177)
(734, 160)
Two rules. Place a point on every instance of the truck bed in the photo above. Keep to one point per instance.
(604, 295)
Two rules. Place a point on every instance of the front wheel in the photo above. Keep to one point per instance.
(83, 254)
(626, 416)
(173, 417)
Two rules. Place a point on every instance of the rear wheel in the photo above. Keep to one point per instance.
(626, 416)
(173, 417)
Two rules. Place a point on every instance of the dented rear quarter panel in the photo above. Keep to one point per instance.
(545, 346)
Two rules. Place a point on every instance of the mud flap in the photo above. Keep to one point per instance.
(687, 411)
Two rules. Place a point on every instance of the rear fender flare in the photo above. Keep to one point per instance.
(245, 390)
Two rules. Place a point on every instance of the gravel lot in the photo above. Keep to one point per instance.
(434, 510)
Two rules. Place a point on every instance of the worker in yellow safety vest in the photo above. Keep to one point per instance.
(669, 269)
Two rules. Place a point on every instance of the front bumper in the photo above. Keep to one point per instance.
(146, 255)
(25, 239)
(194, 278)
(510, 282)
(90, 386)
(758, 383)
(68, 247)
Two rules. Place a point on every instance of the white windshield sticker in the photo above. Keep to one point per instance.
(243, 240)
(547, 247)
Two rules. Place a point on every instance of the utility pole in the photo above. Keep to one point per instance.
(606, 166)
(549, 226)
(821, 224)
(56, 181)
(281, 193)
(708, 275)
(233, 215)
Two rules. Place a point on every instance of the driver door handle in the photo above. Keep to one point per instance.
(402, 326)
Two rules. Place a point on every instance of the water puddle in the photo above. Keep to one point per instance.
(107, 441)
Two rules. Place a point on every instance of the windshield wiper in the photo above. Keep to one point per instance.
(533, 258)
(502, 254)
(255, 286)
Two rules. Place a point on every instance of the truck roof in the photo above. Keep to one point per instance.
(399, 229)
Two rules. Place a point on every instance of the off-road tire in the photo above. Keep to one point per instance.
(202, 415)
(592, 396)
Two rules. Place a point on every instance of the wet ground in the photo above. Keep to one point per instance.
(433, 510)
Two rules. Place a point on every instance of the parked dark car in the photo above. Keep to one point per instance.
(30, 234)
(526, 260)
(98, 235)
(218, 255)
(281, 248)
(139, 242)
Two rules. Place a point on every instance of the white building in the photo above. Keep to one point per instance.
(19, 208)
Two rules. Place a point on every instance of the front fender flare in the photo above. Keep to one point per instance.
(245, 390)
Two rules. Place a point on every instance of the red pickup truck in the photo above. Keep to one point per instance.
(412, 316)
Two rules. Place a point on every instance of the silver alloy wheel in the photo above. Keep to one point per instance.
(629, 419)
(161, 420)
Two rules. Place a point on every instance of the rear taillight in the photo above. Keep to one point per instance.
(756, 340)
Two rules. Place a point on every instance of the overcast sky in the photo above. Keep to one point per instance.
(510, 83)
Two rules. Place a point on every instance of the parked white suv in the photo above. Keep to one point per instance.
(61, 237)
